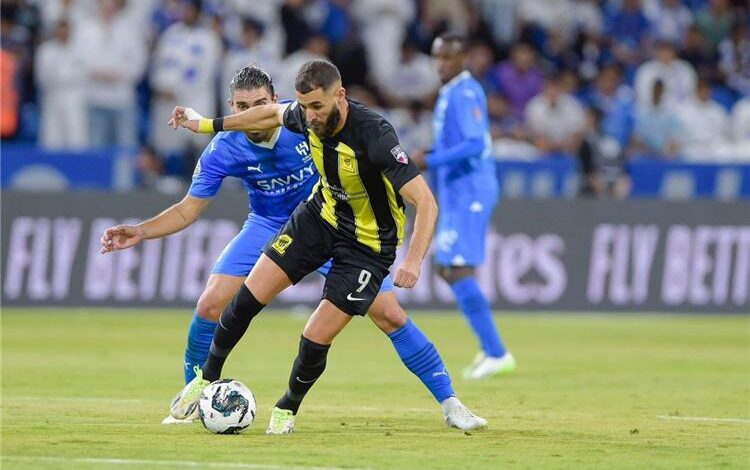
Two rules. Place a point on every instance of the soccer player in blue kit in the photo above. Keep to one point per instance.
(277, 169)
(467, 192)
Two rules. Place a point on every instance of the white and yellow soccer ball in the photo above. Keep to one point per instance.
(227, 406)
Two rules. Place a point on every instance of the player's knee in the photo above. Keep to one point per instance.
(209, 307)
(388, 316)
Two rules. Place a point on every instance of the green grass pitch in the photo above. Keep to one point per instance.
(87, 390)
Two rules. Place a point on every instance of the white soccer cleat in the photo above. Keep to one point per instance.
(170, 420)
(185, 403)
(457, 415)
(486, 366)
(282, 422)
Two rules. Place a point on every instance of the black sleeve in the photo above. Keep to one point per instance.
(294, 118)
(385, 151)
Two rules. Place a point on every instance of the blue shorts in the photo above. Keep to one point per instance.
(461, 233)
(241, 254)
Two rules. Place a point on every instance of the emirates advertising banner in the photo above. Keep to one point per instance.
(555, 255)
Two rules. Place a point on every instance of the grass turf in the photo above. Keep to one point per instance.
(88, 388)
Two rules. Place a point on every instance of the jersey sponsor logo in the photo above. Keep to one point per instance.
(338, 192)
(399, 154)
(304, 150)
(283, 182)
(282, 243)
(255, 168)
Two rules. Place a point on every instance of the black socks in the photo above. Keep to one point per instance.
(232, 326)
(308, 367)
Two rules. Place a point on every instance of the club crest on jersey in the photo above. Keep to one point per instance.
(399, 154)
(282, 243)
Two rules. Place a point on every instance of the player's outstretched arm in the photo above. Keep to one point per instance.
(257, 118)
(417, 193)
(172, 220)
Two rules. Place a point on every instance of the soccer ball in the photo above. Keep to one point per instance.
(227, 406)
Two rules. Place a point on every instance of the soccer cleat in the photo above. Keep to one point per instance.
(282, 422)
(486, 366)
(457, 415)
(185, 404)
(170, 420)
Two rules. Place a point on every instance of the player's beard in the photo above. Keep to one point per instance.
(332, 122)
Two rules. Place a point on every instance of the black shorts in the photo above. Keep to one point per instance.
(307, 241)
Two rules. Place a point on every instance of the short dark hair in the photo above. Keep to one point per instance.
(314, 74)
(457, 38)
(251, 77)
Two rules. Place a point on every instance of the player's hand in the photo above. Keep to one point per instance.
(120, 237)
(407, 275)
(419, 157)
(185, 117)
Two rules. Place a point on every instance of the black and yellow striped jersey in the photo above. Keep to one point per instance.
(361, 171)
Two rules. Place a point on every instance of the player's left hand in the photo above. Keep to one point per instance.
(407, 275)
(419, 157)
(185, 117)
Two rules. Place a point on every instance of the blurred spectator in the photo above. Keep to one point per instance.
(610, 95)
(555, 120)
(502, 17)
(452, 15)
(695, 51)
(715, 21)
(184, 71)
(741, 129)
(480, 63)
(54, 11)
(705, 125)
(509, 137)
(252, 49)
(549, 15)
(587, 17)
(602, 162)
(413, 80)
(629, 30)
(150, 167)
(669, 19)
(62, 81)
(115, 61)
(519, 78)
(735, 58)
(657, 129)
(297, 29)
(316, 47)
(677, 76)
(383, 26)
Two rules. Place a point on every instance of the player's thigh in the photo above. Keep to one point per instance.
(302, 245)
(244, 250)
(325, 323)
(461, 235)
(219, 290)
(387, 313)
(267, 280)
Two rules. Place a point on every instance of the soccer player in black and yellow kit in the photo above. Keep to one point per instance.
(355, 216)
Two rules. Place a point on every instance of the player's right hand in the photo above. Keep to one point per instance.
(120, 237)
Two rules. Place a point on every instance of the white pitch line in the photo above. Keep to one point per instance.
(715, 420)
(164, 463)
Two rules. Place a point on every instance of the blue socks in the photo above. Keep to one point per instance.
(421, 357)
(200, 334)
(476, 309)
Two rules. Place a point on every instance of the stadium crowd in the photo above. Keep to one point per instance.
(605, 80)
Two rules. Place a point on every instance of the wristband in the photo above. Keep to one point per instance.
(218, 124)
(205, 126)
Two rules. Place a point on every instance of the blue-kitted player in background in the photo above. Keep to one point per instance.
(467, 191)
(277, 169)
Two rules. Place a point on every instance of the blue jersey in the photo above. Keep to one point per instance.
(461, 115)
(278, 175)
